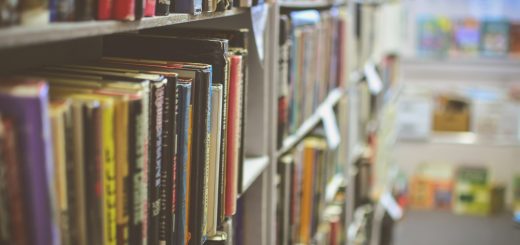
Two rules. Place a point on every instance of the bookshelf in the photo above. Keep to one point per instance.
(77, 42)
(20, 35)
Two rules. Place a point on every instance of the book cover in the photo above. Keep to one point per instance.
(494, 39)
(466, 35)
(215, 161)
(27, 103)
(181, 157)
(433, 36)
(139, 9)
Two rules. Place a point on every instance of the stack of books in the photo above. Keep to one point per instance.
(312, 45)
(141, 147)
(302, 208)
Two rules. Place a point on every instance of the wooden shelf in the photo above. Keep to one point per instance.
(310, 123)
(302, 4)
(253, 167)
(26, 35)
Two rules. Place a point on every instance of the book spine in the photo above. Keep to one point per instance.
(146, 157)
(35, 12)
(104, 9)
(307, 195)
(232, 135)
(64, 10)
(139, 8)
(85, 10)
(60, 182)
(183, 122)
(11, 16)
(167, 210)
(17, 219)
(154, 174)
(215, 161)
(149, 9)
(72, 196)
(188, 6)
(162, 7)
(122, 171)
(187, 234)
(78, 175)
(93, 173)
(123, 10)
(199, 164)
(136, 160)
(109, 176)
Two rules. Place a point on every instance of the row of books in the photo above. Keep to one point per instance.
(36, 12)
(141, 147)
(312, 45)
(304, 175)
(441, 36)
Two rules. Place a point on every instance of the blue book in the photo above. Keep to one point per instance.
(188, 6)
(494, 38)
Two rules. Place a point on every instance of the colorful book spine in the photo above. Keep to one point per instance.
(182, 153)
(104, 9)
(149, 8)
(215, 161)
(136, 137)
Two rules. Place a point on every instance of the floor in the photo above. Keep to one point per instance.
(445, 228)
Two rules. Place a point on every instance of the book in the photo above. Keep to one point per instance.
(149, 8)
(34, 12)
(494, 40)
(58, 110)
(104, 9)
(162, 7)
(123, 10)
(11, 16)
(17, 216)
(193, 7)
(5, 218)
(285, 170)
(139, 9)
(466, 35)
(27, 103)
(233, 134)
(283, 75)
(514, 39)
(209, 5)
(215, 160)
(85, 10)
(434, 36)
(181, 157)
(65, 10)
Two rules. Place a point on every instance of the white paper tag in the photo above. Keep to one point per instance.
(330, 124)
(391, 206)
(375, 84)
(259, 20)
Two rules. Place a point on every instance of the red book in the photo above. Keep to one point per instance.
(123, 10)
(104, 11)
(149, 8)
(233, 135)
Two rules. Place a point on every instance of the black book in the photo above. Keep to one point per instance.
(85, 9)
(92, 131)
(162, 7)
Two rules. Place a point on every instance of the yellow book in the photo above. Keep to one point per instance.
(122, 168)
(188, 175)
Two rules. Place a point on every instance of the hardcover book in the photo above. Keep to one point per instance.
(494, 38)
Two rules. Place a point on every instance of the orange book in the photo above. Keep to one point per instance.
(307, 194)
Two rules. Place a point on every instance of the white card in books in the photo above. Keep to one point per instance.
(330, 124)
